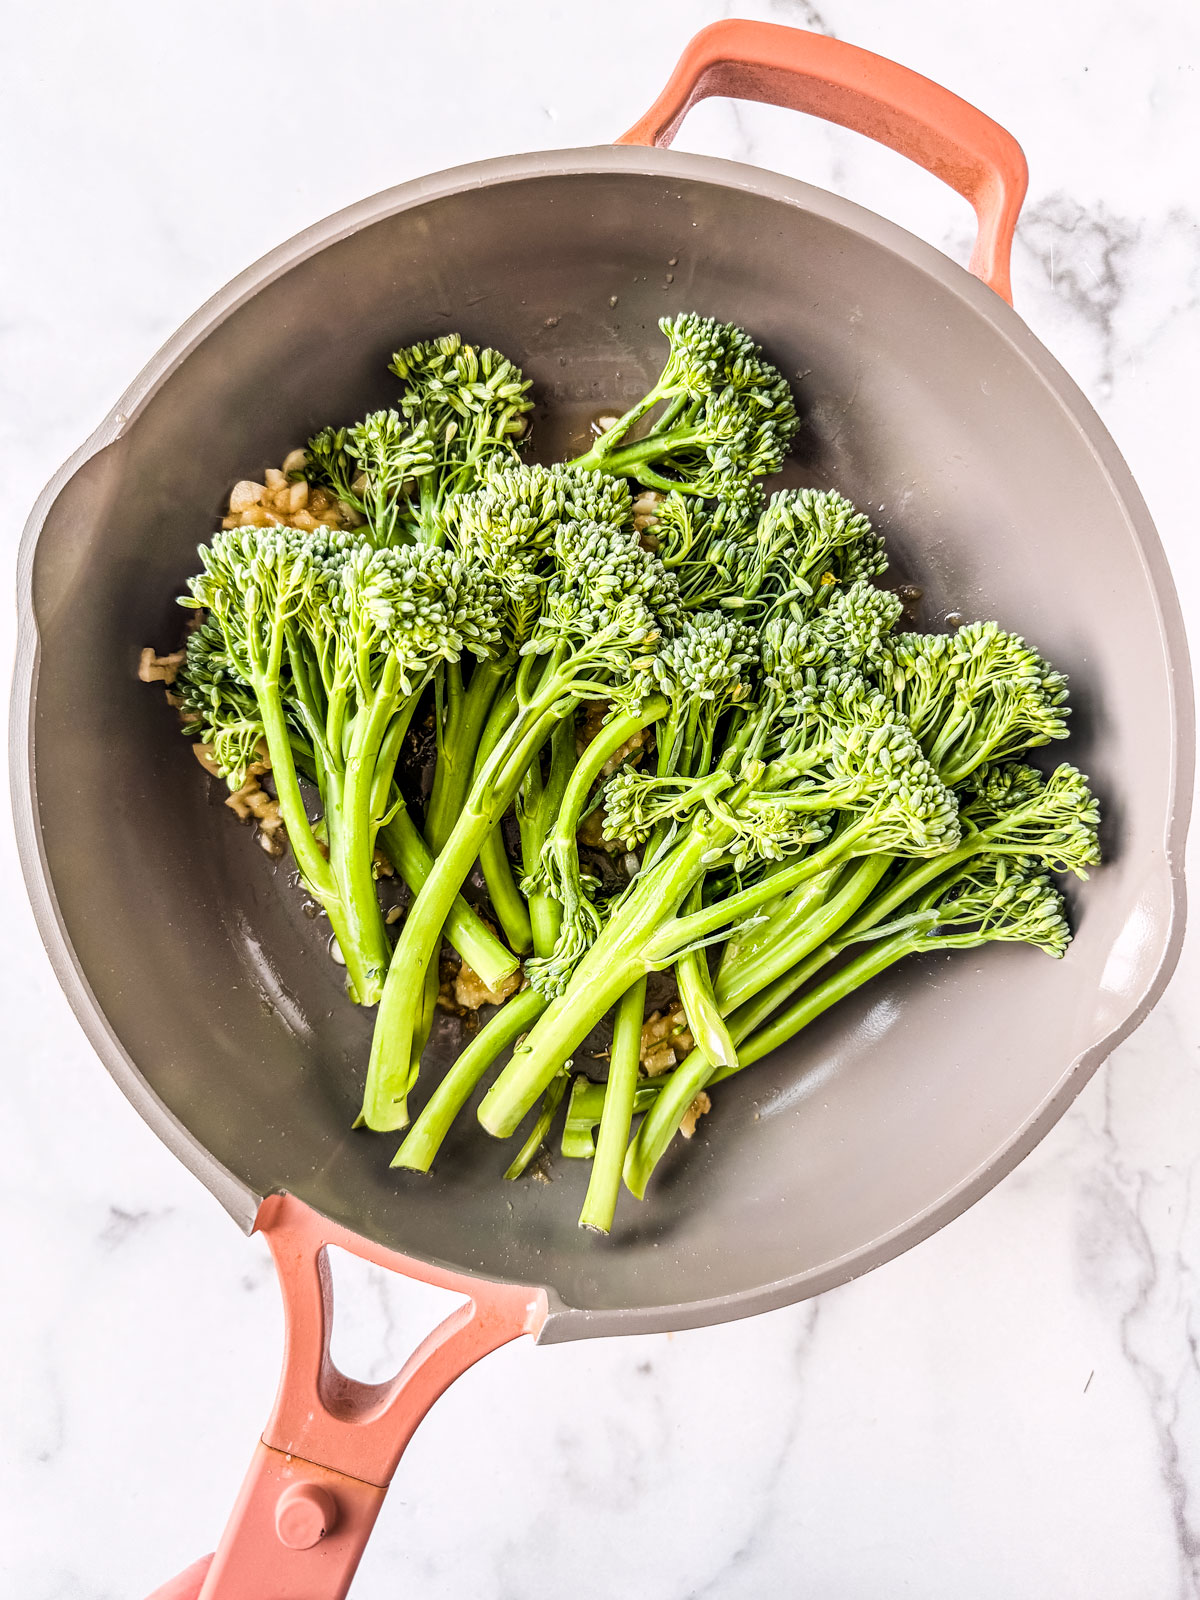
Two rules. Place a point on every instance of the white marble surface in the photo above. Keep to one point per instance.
(1012, 1409)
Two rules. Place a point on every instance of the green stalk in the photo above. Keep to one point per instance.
(389, 1074)
(458, 747)
(562, 839)
(786, 939)
(458, 735)
(314, 868)
(595, 458)
(600, 1203)
(363, 972)
(519, 1013)
(424, 1138)
(507, 900)
(697, 1072)
(748, 943)
(384, 791)
(665, 420)
(545, 920)
(558, 852)
(614, 962)
(919, 875)
(906, 886)
(873, 960)
(551, 1101)
(466, 930)
(633, 460)
(700, 1001)
(680, 931)
(586, 1107)
(430, 990)
(538, 808)
(678, 748)
(350, 820)
(914, 878)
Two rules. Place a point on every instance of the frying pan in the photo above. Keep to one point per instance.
(209, 995)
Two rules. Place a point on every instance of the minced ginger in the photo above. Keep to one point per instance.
(666, 1040)
(251, 802)
(694, 1112)
(287, 499)
(471, 992)
(153, 668)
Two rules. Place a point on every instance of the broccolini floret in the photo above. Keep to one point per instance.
(461, 410)
(332, 642)
(727, 415)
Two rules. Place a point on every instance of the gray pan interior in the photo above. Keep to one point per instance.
(209, 994)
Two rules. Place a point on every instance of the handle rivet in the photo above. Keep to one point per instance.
(304, 1514)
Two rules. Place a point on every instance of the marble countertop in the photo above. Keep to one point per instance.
(1012, 1408)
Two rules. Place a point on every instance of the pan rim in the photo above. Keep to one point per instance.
(564, 1321)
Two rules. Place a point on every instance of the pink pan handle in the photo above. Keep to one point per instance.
(889, 103)
(318, 1477)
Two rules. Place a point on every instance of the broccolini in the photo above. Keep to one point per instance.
(784, 793)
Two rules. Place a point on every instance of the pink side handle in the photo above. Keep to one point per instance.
(319, 1475)
(889, 103)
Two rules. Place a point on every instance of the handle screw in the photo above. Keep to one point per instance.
(304, 1514)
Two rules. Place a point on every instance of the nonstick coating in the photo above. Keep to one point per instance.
(186, 951)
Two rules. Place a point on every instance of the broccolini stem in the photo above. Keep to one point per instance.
(666, 418)
(559, 849)
(630, 1009)
(632, 460)
(545, 914)
(812, 947)
(363, 971)
(358, 926)
(538, 807)
(915, 877)
(919, 875)
(749, 943)
(596, 457)
(873, 960)
(545, 920)
(609, 967)
(383, 790)
(551, 1101)
(680, 931)
(699, 1000)
(351, 821)
(466, 930)
(507, 900)
(314, 868)
(388, 1073)
(680, 1087)
(424, 1026)
(586, 1107)
(492, 857)
(600, 1203)
(793, 933)
(562, 839)
(424, 1138)
(458, 746)
(661, 1122)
